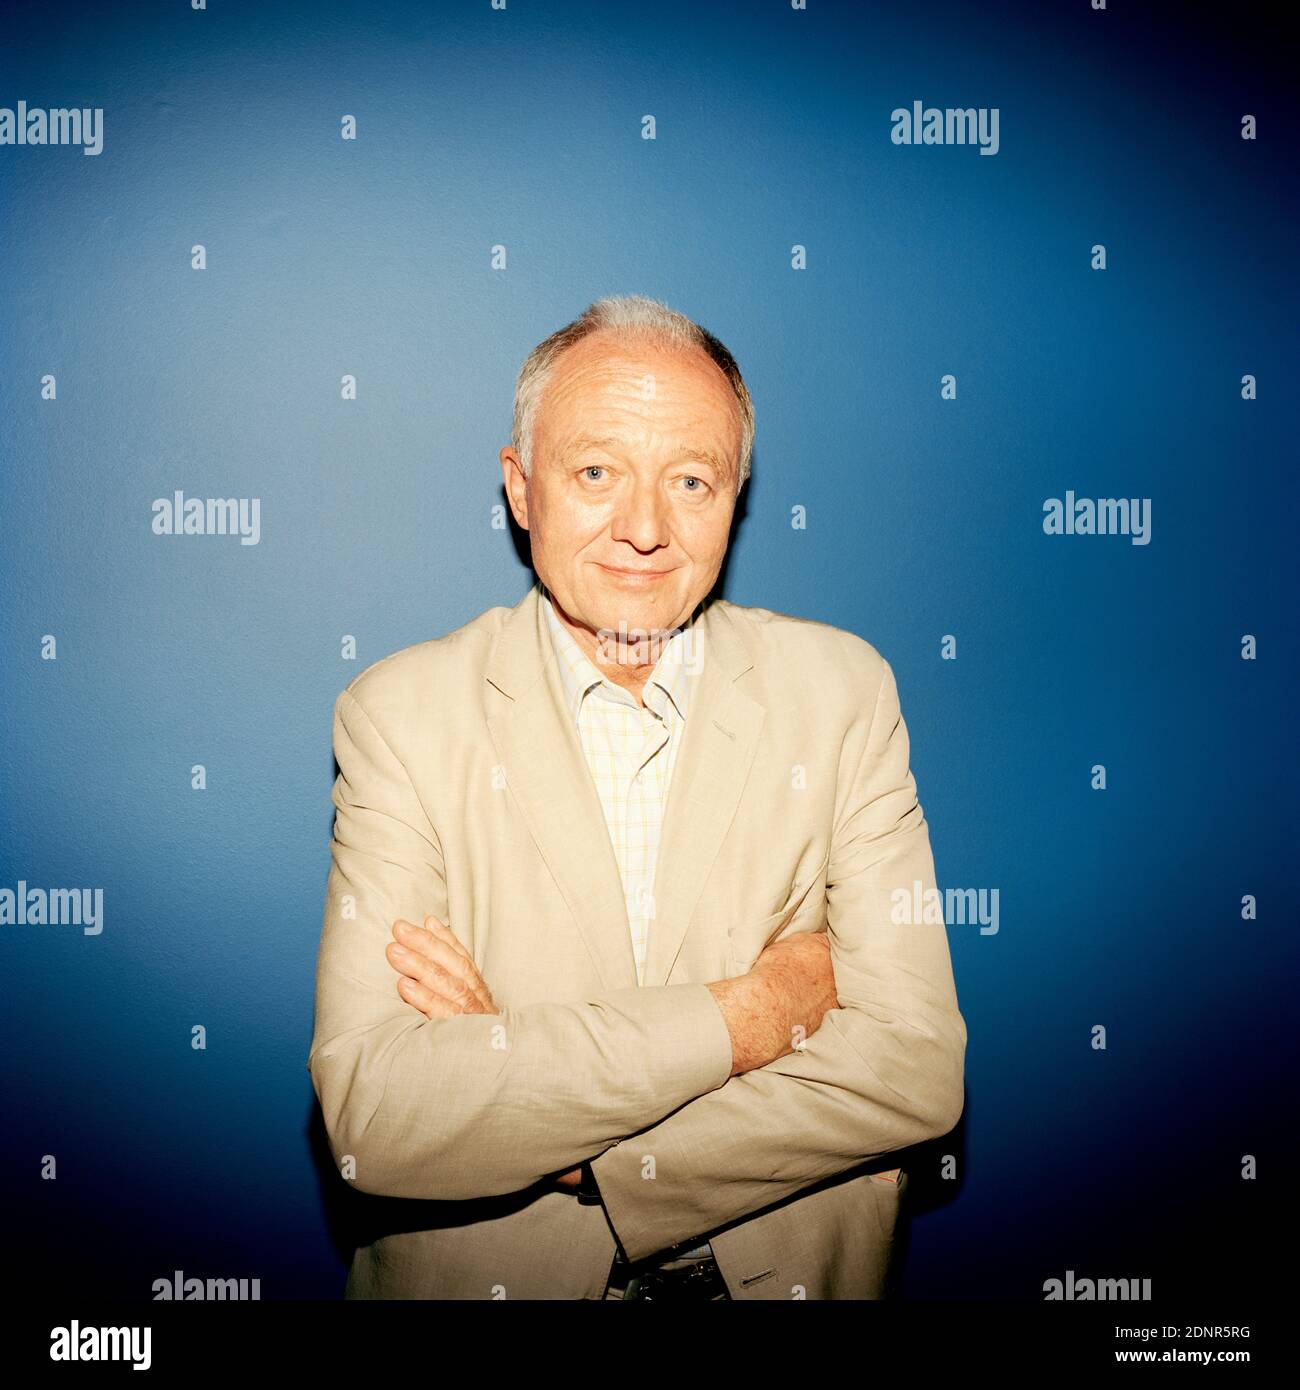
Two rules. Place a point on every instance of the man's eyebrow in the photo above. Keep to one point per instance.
(581, 442)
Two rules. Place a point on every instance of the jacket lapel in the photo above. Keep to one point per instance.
(546, 771)
(719, 740)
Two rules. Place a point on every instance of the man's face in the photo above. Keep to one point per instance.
(635, 468)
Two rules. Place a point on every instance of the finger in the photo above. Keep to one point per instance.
(433, 931)
(455, 971)
(468, 994)
(442, 997)
(445, 933)
(440, 975)
(428, 1002)
(436, 947)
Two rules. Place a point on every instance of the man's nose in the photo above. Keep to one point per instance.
(641, 517)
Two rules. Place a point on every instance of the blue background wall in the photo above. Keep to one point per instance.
(1119, 907)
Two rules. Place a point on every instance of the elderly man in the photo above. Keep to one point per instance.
(614, 991)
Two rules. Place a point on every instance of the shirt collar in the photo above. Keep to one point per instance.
(675, 672)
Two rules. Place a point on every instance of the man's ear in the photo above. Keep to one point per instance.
(516, 485)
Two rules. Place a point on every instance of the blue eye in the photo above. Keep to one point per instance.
(593, 468)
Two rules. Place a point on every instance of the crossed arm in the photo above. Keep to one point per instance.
(782, 998)
(883, 1070)
(480, 1104)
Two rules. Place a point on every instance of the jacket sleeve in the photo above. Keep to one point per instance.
(884, 1071)
(479, 1104)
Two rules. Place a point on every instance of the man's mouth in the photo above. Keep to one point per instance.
(637, 576)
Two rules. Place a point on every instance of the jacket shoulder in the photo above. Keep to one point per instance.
(441, 664)
(824, 651)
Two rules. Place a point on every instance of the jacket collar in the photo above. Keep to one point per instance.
(680, 661)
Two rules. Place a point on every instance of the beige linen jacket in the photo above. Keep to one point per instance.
(463, 792)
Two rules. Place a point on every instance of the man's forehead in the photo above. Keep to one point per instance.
(601, 364)
(694, 451)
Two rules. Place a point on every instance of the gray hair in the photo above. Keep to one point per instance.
(628, 318)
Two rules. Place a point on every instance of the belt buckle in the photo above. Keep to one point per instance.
(675, 1282)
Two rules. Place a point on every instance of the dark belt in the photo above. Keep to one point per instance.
(674, 1281)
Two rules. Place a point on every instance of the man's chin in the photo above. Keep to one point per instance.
(634, 620)
(624, 628)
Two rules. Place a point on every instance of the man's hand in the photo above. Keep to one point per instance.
(437, 974)
(780, 1001)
